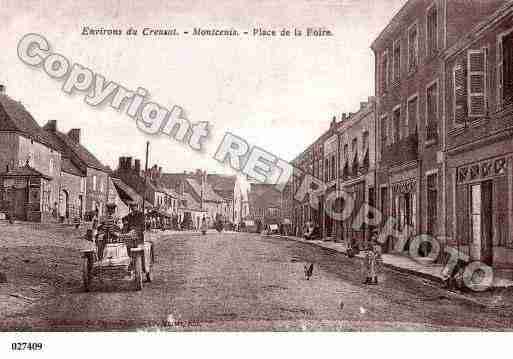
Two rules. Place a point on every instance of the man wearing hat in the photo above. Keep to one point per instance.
(135, 221)
(109, 228)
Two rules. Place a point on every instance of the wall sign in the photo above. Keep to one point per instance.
(481, 171)
(407, 186)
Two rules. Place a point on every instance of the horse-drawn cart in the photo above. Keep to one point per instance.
(119, 258)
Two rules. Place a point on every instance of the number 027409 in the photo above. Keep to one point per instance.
(26, 346)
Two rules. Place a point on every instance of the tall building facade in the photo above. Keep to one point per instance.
(409, 108)
(478, 146)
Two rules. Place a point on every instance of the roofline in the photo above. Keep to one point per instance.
(478, 30)
(389, 26)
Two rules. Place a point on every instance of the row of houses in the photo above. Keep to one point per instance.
(48, 175)
(434, 147)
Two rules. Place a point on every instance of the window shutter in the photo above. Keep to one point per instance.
(477, 83)
(507, 69)
(500, 78)
(460, 94)
(412, 116)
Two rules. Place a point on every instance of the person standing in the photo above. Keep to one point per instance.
(372, 263)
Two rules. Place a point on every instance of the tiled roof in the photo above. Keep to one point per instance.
(15, 117)
(25, 171)
(172, 180)
(192, 204)
(81, 152)
(223, 185)
(128, 193)
(208, 193)
(264, 195)
(68, 167)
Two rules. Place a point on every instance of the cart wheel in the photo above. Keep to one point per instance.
(86, 274)
(138, 272)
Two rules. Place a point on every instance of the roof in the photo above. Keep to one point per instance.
(477, 32)
(25, 171)
(208, 193)
(15, 117)
(68, 167)
(223, 185)
(264, 195)
(126, 192)
(221, 182)
(172, 193)
(81, 152)
(191, 202)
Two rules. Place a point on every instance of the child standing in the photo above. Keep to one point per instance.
(372, 263)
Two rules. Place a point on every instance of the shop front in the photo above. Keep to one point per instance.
(482, 195)
(404, 208)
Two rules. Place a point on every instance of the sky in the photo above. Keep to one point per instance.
(276, 93)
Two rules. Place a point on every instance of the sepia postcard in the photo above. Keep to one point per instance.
(255, 166)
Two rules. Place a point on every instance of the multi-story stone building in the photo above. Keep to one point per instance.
(409, 107)
(23, 144)
(224, 186)
(95, 188)
(478, 128)
(264, 204)
(357, 166)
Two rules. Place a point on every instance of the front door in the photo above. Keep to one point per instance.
(481, 222)
(18, 199)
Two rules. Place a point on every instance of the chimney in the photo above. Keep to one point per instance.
(2, 89)
(137, 166)
(51, 126)
(121, 163)
(74, 134)
(333, 121)
(128, 163)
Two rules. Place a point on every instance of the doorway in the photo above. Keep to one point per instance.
(481, 221)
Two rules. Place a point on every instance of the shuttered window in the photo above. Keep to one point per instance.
(384, 139)
(507, 69)
(413, 110)
(397, 61)
(384, 72)
(476, 83)
(396, 125)
(432, 106)
(459, 94)
(432, 31)
(413, 48)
